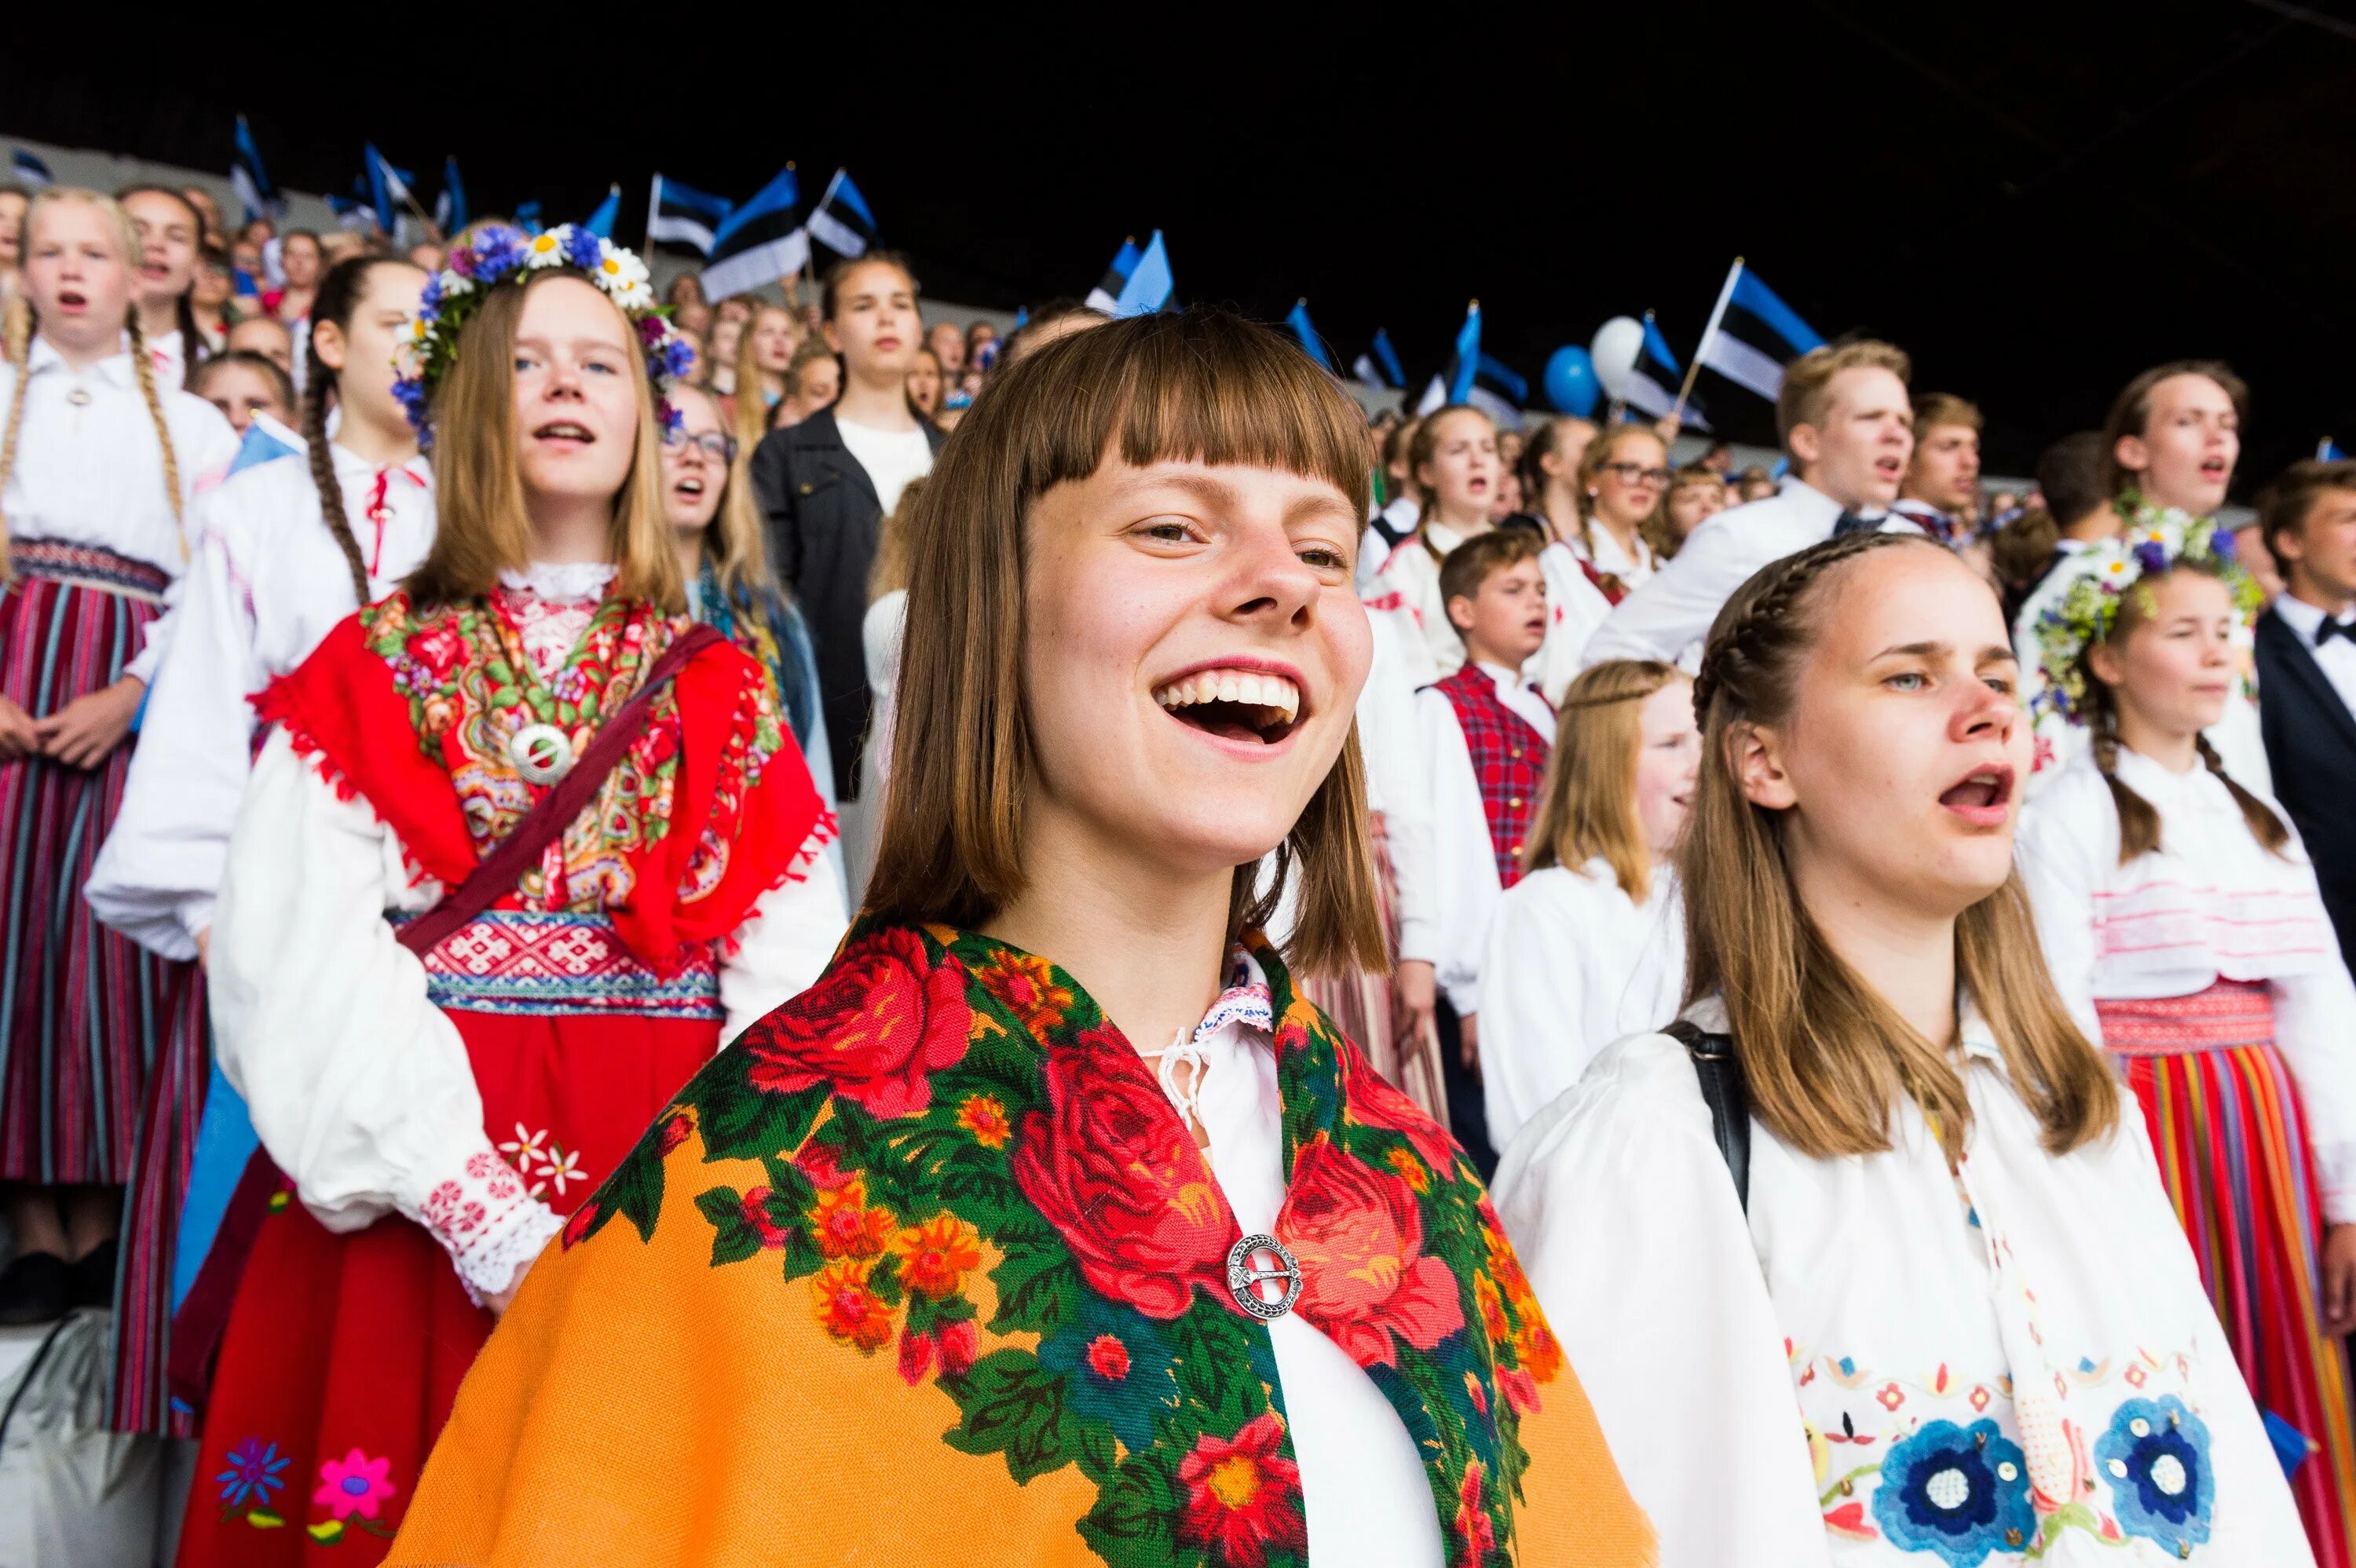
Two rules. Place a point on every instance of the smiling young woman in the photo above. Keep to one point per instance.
(1051, 1204)
(1875, 1176)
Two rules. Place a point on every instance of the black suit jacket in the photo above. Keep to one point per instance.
(823, 520)
(2310, 739)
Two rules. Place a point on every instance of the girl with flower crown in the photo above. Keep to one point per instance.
(99, 465)
(1052, 1226)
(2169, 450)
(1876, 1178)
(2183, 924)
(433, 1098)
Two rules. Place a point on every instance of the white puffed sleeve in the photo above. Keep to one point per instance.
(1621, 1208)
(1397, 782)
(1534, 1000)
(2315, 1029)
(783, 944)
(1463, 858)
(2069, 836)
(359, 1085)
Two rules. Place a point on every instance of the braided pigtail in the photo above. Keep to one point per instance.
(2265, 826)
(16, 342)
(320, 385)
(145, 368)
(2138, 819)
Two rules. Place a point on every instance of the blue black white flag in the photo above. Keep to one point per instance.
(1454, 385)
(1752, 334)
(450, 207)
(388, 188)
(1299, 321)
(528, 217)
(250, 180)
(840, 221)
(31, 171)
(351, 212)
(680, 214)
(2327, 450)
(1105, 296)
(1386, 356)
(761, 241)
(1656, 371)
(600, 222)
(1498, 391)
(1150, 284)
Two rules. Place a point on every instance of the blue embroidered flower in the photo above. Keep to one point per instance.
(2156, 1457)
(1959, 1491)
(256, 1470)
(1119, 1365)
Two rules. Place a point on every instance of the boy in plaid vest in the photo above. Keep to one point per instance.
(1486, 734)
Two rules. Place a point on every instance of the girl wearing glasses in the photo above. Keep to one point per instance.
(1622, 478)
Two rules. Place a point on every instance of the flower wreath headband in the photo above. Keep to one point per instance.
(2081, 603)
(497, 254)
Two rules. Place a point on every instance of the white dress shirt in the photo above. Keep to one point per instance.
(2337, 656)
(1412, 575)
(1398, 787)
(1673, 611)
(1601, 547)
(267, 584)
(1753, 1373)
(2210, 904)
(1363, 1492)
(1464, 857)
(1573, 964)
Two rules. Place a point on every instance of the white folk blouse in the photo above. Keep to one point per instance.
(2210, 904)
(267, 583)
(1464, 880)
(1575, 608)
(359, 1086)
(1885, 1362)
(1571, 964)
(1409, 582)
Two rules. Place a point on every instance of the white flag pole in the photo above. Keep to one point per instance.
(1701, 346)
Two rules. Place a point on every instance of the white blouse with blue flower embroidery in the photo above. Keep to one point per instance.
(1885, 1361)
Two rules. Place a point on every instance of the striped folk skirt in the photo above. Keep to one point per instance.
(85, 1014)
(1366, 1009)
(2226, 1123)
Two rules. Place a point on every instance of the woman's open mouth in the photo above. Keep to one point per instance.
(1982, 797)
(564, 431)
(1242, 705)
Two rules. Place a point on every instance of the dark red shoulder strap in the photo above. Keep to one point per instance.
(499, 871)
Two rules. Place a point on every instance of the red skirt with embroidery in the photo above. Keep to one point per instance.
(343, 1352)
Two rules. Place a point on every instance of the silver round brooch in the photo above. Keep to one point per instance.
(543, 753)
(1246, 1274)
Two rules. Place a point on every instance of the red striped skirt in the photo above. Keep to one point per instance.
(2227, 1126)
(85, 1014)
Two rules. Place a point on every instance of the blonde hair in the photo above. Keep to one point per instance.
(733, 540)
(890, 572)
(17, 331)
(1197, 385)
(484, 525)
(1587, 807)
(1424, 444)
(1827, 1059)
(751, 397)
(1807, 396)
(1590, 471)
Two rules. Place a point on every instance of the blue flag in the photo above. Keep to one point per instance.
(528, 217)
(30, 170)
(761, 241)
(1150, 284)
(388, 187)
(841, 220)
(600, 222)
(2327, 450)
(1656, 371)
(1105, 296)
(250, 179)
(1299, 322)
(1752, 334)
(681, 215)
(450, 207)
(1388, 358)
(1498, 374)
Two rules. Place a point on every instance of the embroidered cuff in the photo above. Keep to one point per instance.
(488, 1224)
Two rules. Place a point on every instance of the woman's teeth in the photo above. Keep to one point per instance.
(1248, 686)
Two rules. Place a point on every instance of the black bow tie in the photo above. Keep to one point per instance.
(1850, 523)
(2332, 628)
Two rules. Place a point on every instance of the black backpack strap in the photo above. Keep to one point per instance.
(1723, 1092)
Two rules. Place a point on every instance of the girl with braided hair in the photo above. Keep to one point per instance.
(1875, 1175)
(307, 529)
(2183, 923)
(97, 469)
(171, 234)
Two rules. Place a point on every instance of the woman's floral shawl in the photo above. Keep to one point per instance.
(926, 1269)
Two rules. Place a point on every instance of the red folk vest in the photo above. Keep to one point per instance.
(1509, 759)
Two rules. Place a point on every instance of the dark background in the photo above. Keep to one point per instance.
(2036, 200)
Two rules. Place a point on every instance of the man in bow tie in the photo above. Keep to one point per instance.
(2306, 671)
(1849, 429)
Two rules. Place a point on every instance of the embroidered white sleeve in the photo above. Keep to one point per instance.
(488, 1224)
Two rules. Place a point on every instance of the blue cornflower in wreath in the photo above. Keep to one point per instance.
(1118, 1362)
(253, 1469)
(2156, 1457)
(1959, 1491)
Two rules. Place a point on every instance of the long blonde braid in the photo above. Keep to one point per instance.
(145, 368)
(17, 343)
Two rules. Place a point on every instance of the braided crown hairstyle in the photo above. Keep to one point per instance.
(339, 299)
(1827, 1059)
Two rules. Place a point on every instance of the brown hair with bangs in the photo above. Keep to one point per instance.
(478, 485)
(1827, 1057)
(1199, 385)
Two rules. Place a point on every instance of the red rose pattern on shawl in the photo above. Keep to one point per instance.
(879, 1023)
(1358, 1236)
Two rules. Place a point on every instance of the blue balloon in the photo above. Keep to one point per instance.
(1570, 381)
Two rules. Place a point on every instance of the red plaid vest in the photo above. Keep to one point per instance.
(1509, 759)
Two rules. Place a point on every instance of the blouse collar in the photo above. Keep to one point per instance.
(115, 368)
(1973, 1034)
(560, 582)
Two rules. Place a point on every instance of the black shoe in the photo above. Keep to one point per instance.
(93, 1277)
(36, 1287)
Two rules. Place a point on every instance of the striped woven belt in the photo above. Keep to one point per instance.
(87, 566)
(2229, 1013)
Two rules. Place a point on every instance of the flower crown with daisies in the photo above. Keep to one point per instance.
(2082, 603)
(498, 253)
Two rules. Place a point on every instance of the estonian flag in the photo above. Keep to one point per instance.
(1454, 385)
(450, 207)
(1299, 322)
(761, 241)
(840, 221)
(1150, 284)
(1656, 371)
(1388, 358)
(349, 213)
(250, 179)
(31, 171)
(1752, 335)
(1498, 391)
(600, 222)
(1105, 296)
(528, 217)
(388, 187)
(2327, 450)
(679, 215)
